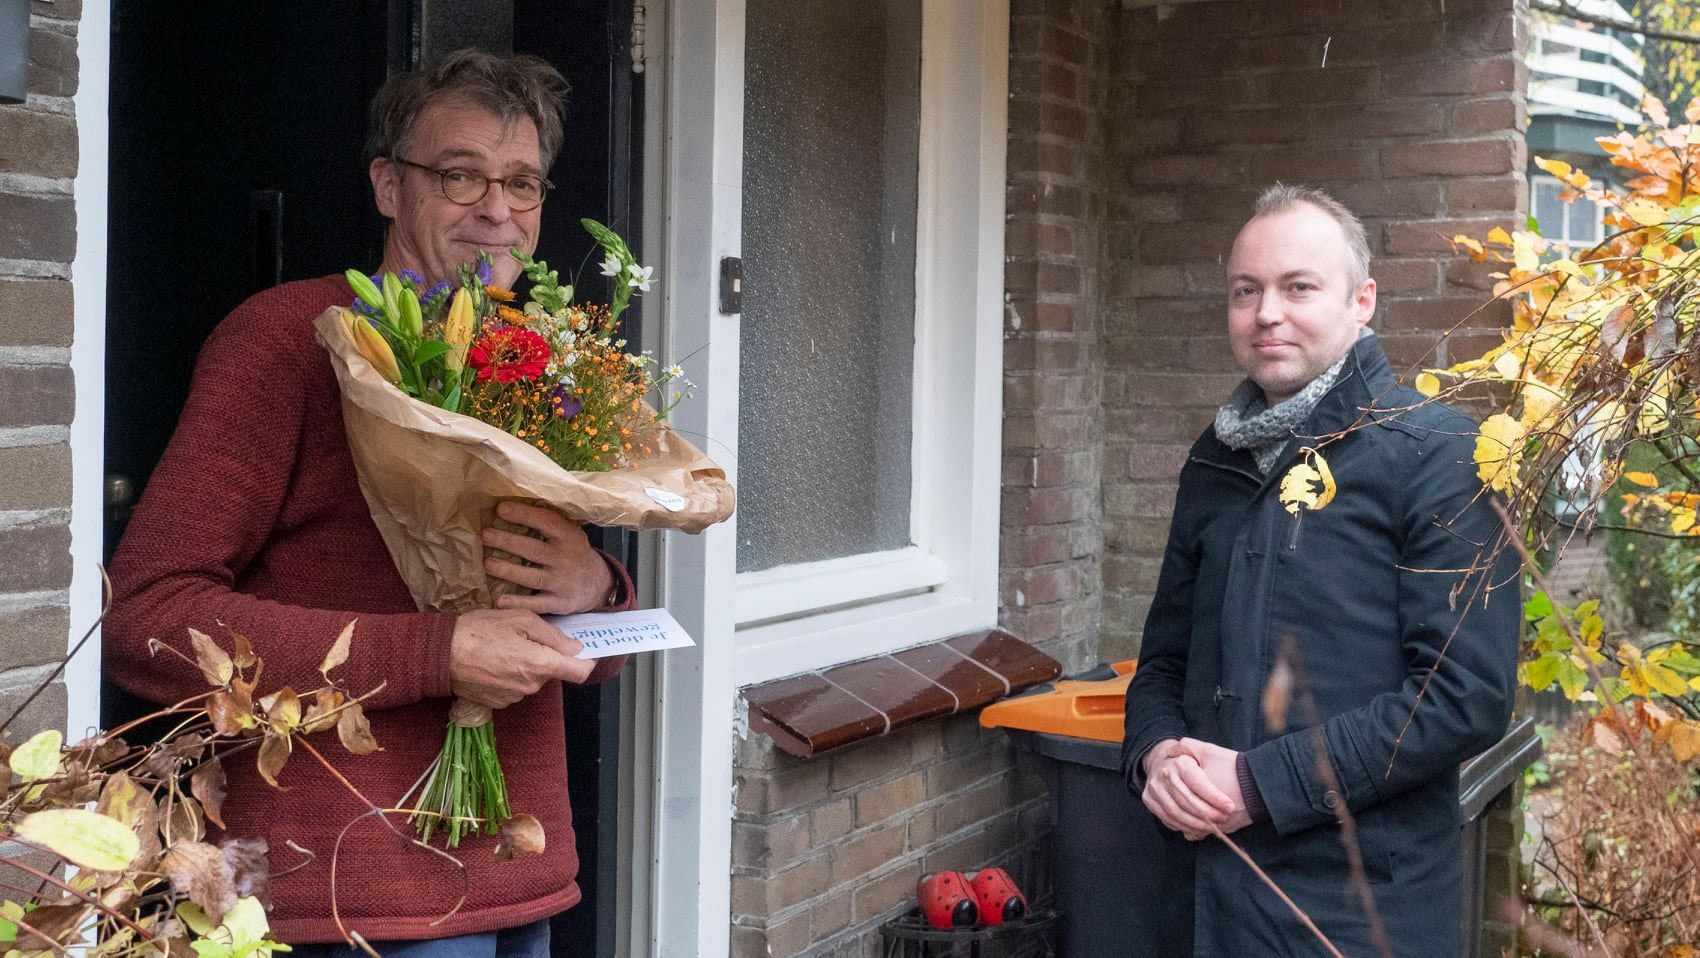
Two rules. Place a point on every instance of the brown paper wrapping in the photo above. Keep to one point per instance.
(432, 479)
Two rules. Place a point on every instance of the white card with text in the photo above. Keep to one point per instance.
(622, 633)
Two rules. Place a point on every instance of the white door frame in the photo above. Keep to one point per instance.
(694, 168)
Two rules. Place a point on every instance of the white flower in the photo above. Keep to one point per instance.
(641, 277)
(674, 372)
(612, 266)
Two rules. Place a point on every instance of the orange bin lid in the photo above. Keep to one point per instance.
(1090, 710)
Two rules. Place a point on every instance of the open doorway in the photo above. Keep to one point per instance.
(235, 156)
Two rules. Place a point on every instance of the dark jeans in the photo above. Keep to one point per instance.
(526, 941)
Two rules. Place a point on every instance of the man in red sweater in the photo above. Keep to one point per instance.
(254, 523)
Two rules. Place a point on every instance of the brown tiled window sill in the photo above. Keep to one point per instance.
(811, 713)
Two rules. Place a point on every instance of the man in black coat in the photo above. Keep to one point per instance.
(1387, 617)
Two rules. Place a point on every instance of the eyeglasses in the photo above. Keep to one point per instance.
(523, 192)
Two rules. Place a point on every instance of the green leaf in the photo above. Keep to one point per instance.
(81, 837)
(429, 350)
(37, 758)
(1572, 680)
(1541, 673)
(1587, 608)
(1550, 635)
(1592, 628)
(10, 910)
(1538, 607)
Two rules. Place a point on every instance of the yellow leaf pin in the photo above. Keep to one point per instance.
(1309, 484)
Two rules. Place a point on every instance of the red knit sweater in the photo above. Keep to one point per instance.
(254, 522)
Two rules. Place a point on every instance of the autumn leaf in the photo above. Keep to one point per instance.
(355, 731)
(1276, 696)
(274, 752)
(1646, 479)
(226, 716)
(185, 822)
(1685, 740)
(1647, 674)
(208, 785)
(214, 662)
(1308, 484)
(199, 872)
(1428, 384)
(1497, 448)
(37, 758)
(84, 838)
(521, 834)
(339, 650)
(1645, 212)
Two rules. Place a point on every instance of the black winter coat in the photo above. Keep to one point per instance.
(1373, 591)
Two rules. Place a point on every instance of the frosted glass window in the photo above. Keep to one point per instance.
(832, 104)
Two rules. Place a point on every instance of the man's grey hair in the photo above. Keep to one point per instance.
(511, 88)
(1281, 197)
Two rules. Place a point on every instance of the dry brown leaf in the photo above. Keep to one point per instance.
(208, 785)
(214, 662)
(1277, 695)
(1685, 741)
(355, 731)
(200, 872)
(521, 835)
(122, 799)
(57, 922)
(322, 713)
(245, 657)
(224, 713)
(185, 822)
(274, 752)
(249, 869)
(339, 650)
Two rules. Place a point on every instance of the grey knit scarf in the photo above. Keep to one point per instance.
(1246, 421)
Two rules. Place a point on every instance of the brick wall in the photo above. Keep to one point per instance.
(38, 161)
(1052, 538)
(1410, 112)
(825, 850)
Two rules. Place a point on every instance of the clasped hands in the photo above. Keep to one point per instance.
(1193, 787)
(499, 656)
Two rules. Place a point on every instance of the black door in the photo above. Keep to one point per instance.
(236, 135)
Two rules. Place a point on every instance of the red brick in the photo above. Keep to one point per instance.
(1051, 392)
(1037, 587)
(1246, 127)
(1217, 92)
(1314, 85)
(1047, 506)
(1498, 114)
(1405, 276)
(1028, 352)
(1368, 121)
(1312, 166)
(1500, 193)
(1443, 313)
(1372, 46)
(1455, 158)
(1389, 198)
(1463, 274)
(1186, 242)
(1492, 33)
(1198, 169)
(1047, 116)
(1066, 44)
(1045, 545)
(1450, 76)
(1285, 15)
(875, 897)
(1150, 207)
(1435, 236)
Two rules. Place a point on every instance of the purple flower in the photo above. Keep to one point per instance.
(441, 289)
(409, 276)
(566, 404)
(359, 306)
(483, 270)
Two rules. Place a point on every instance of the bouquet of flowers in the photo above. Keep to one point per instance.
(456, 399)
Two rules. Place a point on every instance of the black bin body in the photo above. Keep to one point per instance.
(1107, 851)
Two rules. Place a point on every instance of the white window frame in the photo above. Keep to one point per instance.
(806, 616)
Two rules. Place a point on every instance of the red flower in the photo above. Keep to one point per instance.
(508, 354)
